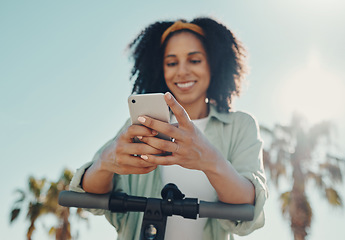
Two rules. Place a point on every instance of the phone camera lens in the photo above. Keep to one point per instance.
(133, 101)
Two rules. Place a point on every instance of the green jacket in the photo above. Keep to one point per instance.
(236, 135)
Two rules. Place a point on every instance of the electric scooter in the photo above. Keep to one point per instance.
(156, 210)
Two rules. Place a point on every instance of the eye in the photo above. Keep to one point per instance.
(195, 61)
(171, 64)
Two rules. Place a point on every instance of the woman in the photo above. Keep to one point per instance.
(217, 153)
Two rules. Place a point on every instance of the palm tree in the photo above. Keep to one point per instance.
(300, 155)
(42, 199)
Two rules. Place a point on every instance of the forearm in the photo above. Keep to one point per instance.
(97, 180)
(230, 186)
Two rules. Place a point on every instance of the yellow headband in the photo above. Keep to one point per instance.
(181, 25)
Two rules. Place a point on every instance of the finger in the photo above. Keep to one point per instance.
(128, 161)
(138, 130)
(180, 113)
(162, 127)
(158, 160)
(164, 145)
(136, 149)
(135, 170)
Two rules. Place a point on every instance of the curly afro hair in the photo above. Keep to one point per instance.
(226, 57)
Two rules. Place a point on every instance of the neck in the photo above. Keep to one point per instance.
(197, 112)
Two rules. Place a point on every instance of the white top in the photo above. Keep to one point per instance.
(194, 184)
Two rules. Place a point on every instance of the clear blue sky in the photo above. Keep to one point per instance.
(64, 83)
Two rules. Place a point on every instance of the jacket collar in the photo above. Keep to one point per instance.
(223, 117)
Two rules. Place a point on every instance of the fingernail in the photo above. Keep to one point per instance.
(168, 94)
(140, 137)
(141, 119)
(154, 132)
(145, 157)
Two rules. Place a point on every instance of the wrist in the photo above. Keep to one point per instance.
(97, 181)
(215, 165)
(102, 168)
(102, 165)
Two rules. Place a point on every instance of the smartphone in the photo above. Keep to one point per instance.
(152, 105)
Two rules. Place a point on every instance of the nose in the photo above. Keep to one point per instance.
(183, 69)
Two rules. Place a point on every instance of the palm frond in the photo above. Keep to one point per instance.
(285, 199)
(52, 231)
(67, 176)
(51, 199)
(333, 171)
(14, 214)
(41, 198)
(36, 209)
(333, 197)
(36, 186)
(21, 197)
(294, 152)
(318, 178)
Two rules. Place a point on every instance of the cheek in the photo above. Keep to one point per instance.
(168, 75)
(206, 74)
(209, 77)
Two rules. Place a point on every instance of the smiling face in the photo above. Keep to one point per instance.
(186, 71)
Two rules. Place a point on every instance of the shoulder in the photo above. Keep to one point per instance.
(233, 116)
(243, 117)
(243, 124)
(246, 125)
(238, 117)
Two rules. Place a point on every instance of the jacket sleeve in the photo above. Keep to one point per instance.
(245, 154)
(75, 184)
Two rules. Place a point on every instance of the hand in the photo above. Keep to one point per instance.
(190, 148)
(122, 156)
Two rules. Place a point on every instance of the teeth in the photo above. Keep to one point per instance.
(185, 85)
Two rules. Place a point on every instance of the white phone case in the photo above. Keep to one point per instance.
(152, 105)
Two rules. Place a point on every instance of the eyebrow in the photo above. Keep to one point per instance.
(189, 54)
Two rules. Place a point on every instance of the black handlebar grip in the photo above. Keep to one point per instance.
(234, 212)
(84, 200)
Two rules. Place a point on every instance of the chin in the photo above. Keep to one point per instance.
(187, 100)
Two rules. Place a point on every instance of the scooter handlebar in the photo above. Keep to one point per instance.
(84, 200)
(219, 210)
(234, 212)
